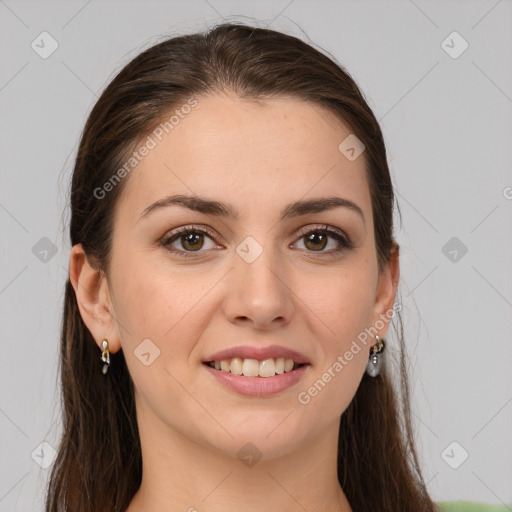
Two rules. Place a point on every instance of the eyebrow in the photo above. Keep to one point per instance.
(220, 209)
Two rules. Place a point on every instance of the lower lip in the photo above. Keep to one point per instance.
(258, 386)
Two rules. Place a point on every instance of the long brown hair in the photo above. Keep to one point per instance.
(99, 462)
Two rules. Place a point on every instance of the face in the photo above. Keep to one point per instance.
(185, 284)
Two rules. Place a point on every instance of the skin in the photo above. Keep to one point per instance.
(257, 157)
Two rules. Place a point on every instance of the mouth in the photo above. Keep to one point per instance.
(256, 368)
(257, 378)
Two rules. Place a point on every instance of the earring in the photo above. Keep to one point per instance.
(375, 360)
(105, 356)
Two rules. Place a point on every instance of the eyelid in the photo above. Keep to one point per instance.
(323, 227)
(191, 227)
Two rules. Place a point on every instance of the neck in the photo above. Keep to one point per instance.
(180, 474)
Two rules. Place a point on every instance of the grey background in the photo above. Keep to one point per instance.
(447, 123)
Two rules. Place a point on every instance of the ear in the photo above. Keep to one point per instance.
(386, 291)
(93, 299)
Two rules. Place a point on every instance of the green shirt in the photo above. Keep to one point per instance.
(466, 506)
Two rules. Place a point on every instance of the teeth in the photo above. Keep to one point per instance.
(253, 367)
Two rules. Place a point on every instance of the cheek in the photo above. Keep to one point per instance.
(343, 307)
(346, 308)
(334, 383)
(342, 302)
(162, 319)
(164, 305)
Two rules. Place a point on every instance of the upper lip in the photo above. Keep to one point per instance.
(259, 353)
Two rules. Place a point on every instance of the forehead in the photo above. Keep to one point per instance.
(270, 153)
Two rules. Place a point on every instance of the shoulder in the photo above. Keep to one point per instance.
(466, 506)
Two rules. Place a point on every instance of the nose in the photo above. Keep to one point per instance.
(259, 293)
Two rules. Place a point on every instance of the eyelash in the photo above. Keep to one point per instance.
(344, 242)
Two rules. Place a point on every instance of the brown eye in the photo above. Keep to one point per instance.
(193, 241)
(316, 241)
(187, 240)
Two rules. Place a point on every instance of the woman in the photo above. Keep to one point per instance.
(232, 278)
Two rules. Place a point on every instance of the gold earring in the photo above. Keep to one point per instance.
(105, 356)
